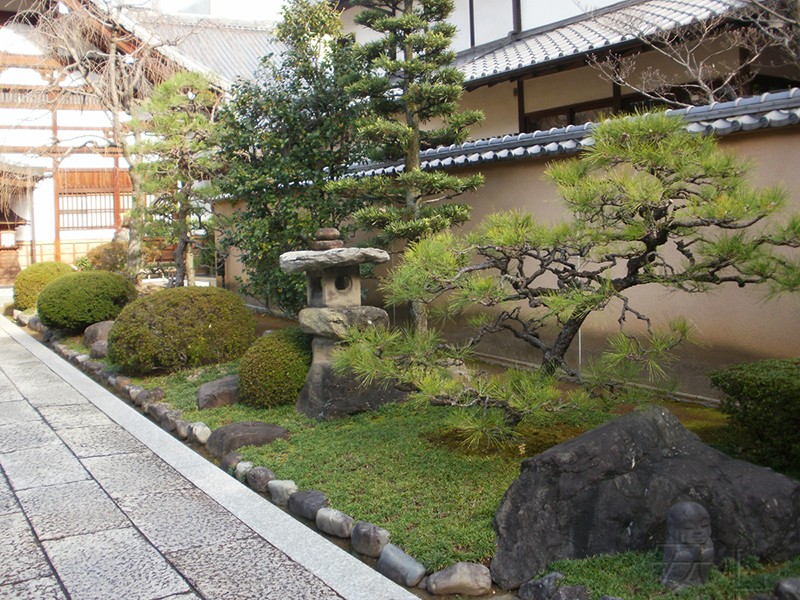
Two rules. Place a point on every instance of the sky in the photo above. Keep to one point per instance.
(232, 9)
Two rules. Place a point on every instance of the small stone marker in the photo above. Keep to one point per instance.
(368, 539)
(334, 522)
(280, 490)
(689, 551)
(306, 503)
(465, 578)
(399, 566)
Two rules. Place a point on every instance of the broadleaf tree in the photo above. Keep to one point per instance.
(284, 136)
(414, 92)
(101, 59)
(647, 203)
(178, 166)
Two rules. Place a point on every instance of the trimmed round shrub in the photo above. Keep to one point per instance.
(179, 328)
(111, 256)
(33, 279)
(762, 401)
(274, 368)
(82, 298)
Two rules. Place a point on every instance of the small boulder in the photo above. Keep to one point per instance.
(148, 397)
(121, 381)
(229, 461)
(182, 429)
(334, 522)
(788, 589)
(99, 349)
(242, 469)
(468, 579)
(399, 566)
(157, 411)
(169, 419)
(258, 478)
(246, 433)
(97, 332)
(221, 392)
(281, 490)
(35, 323)
(199, 433)
(134, 391)
(368, 539)
(540, 589)
(306, 503)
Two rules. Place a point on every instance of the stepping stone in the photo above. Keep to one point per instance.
(231, 437)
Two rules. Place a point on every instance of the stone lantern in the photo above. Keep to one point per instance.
(334, 304)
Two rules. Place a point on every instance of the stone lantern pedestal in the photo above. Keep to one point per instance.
(334, 304)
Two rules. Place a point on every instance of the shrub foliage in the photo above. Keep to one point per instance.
(82, 298)
(32, 280)
(762, 400)
(178, 328)
(274, 369)
(111, 256)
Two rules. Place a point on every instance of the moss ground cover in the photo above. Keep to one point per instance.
(635, 575)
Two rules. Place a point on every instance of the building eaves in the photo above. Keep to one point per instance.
(777, 109)
(602, 30)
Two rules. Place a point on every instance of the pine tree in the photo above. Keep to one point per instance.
(177, 164)
(414, 93)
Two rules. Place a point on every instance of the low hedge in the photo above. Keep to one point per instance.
(762, 401)
(274, 368)
(179, 328)
(33, 279)
(82, 298)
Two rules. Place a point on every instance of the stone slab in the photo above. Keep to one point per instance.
(42, 588)
(248, 570)
(101, 565)
(46, 465)
(74, 415)
(101, 440)
(8, 502)
(17, 436)
(71, 509)
(21, 558)
(17, 412)
(181, 519)
(134, 474)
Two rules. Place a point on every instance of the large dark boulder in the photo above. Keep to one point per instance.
(609, 491)
(327, 395)
(228, 438)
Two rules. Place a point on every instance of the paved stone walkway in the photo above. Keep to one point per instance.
(97, 502)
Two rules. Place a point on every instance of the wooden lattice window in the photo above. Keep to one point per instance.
(92, 199)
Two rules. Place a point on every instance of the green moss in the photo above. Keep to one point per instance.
(635, 576)
(33, 279)
(81, 298)
(274, 369)
(179, 328)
